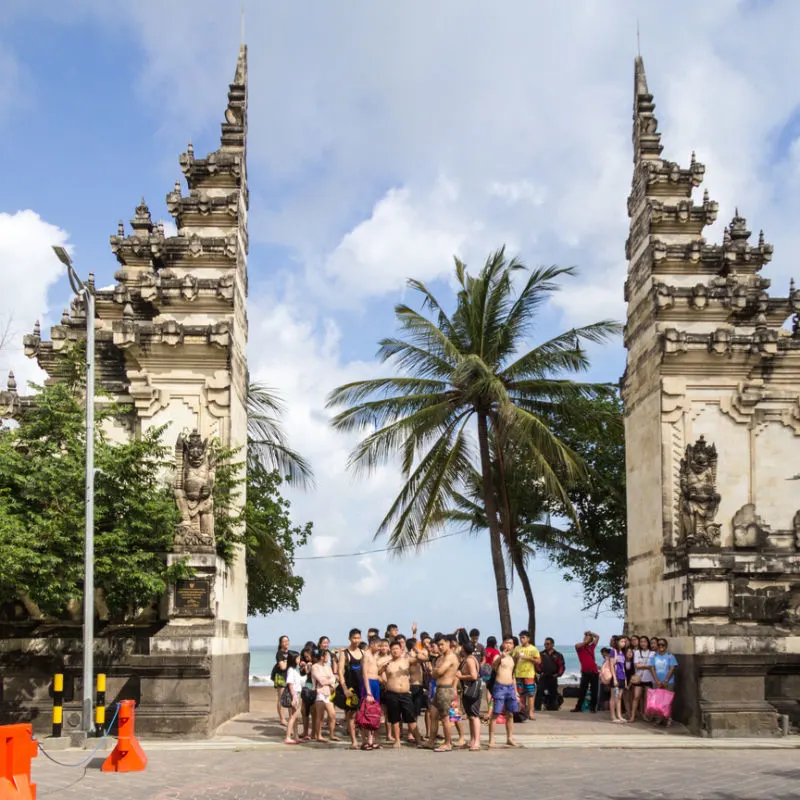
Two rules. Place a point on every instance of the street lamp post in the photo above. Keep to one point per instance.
(86, 292)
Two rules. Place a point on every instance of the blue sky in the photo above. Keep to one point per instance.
(382, 140)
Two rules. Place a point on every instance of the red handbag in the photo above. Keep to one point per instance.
(368, 715)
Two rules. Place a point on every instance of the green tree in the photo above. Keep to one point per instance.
(590, 542)
(270, 537)
(464, 374)
(42, 463)
(272, 540)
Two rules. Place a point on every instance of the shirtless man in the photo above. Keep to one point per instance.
(350, 664)
(384, 657)
(371, 686)
(416, 674)
(399, 705)
(444, 673)
(504, 692)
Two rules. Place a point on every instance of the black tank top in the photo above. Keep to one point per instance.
(352, 670)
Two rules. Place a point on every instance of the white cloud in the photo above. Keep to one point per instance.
(370, 581)
(357, 113)
(403, 230)
(29, 269)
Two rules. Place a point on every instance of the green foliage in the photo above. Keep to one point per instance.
(593, 547)
(272, 540)
(228, 517)
(472, 371)
(267, 448)
(42, 474)
(42, 469)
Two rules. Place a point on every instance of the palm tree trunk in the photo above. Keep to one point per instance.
(495, 536)
(518, 560)
(509, 529)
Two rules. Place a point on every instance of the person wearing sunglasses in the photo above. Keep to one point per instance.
(663, 665)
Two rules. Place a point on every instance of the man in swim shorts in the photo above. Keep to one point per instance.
(397, 695)
(504, 692)
(444, 673)
(527, 660)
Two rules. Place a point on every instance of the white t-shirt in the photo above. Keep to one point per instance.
(294, 678)
(643, 657)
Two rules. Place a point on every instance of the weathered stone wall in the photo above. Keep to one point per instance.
(712, 397)
(171, 347)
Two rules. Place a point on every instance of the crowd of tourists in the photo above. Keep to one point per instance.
(454, 682)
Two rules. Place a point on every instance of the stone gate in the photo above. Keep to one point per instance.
(171, 335)
(712, 424)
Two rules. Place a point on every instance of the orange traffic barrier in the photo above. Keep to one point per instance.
(17, 748)
(128, 755)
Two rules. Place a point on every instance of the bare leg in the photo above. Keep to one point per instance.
(460, 728)
(492, 726)
(281, 717)
(510, 731)
(413, 730)
(433, 726)
(291, 723)
(530, 699)
(332, 723)
(448, 734)
(318, 716)
(474, 733)
(351, 728)
(395, 738)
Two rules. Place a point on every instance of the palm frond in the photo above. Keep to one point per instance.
(418, 510)
(541, 283)
(266, 442)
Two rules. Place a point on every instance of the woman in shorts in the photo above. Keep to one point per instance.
(469, 675)
(324, 683)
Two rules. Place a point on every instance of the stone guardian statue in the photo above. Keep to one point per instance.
(193, 489)
(699, 498)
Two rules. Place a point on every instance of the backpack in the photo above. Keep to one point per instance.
(286, 698)
(606, 674)
(369, 715)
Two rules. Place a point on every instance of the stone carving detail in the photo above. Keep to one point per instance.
(193, 489)
(699, 498)
(764, 604)
(791, 613)
(796, 526)
(748, 529)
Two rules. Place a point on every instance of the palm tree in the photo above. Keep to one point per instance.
(465, 373)
(469, 510)
(266, 442)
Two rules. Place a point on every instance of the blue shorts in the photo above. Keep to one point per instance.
(505, 698)
(375, 689)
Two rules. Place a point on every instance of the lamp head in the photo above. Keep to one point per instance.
(62, 255)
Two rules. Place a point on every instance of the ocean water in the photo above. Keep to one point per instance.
(262, 660)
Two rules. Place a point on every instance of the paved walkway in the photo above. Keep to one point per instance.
(247, 760)
(327, 773)
(260, 729)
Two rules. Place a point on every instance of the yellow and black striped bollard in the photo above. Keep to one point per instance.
(100, 708)
(58, 703)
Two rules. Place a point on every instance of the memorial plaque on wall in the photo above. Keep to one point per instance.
(193, 597)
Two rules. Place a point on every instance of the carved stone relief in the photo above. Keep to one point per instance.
(193, 488)
(699, 498)
(749, 531)
(764, 604)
